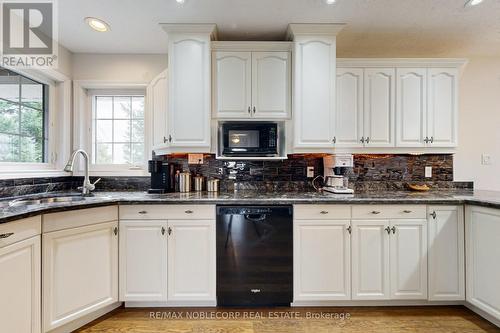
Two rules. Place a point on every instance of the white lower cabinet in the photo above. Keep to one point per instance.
(191, 260)
(408, 259)
(370, 260)
(482, 229)
(446, 253)
(80, 272)
(322, 260)
(20, 286)
(143, 260)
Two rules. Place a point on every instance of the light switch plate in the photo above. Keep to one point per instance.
(195, 158)
(428, 172)
(486, 159)
(310, 172)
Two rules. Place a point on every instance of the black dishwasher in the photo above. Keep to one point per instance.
(254, 255)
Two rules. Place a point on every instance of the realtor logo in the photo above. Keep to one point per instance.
(28, 34)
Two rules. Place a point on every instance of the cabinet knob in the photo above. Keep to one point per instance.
(7, 235)
(375, 212)
(323, 212)
(433, 214)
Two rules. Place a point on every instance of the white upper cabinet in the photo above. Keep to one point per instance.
(271, 84)
(379, 91)
(157, 94)
(442, 110)
(411, 107)
(189, 86)
(349, 112)
(314, 87)
(251, 84)
(232, 88)
(446, 253)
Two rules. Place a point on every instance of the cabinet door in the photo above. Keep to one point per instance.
(314, 92)
(411, 109)
(189, 83)
(322, 262)
(446, 253)
(349, 112)
(370, 260)
(408, 249)
(80, 272)
(191, 260)
(482, 230)
(442, 109)
(143, 261)
(271, 81)
(232, 84)
(378, 120)
(20, 286)
(157, 92)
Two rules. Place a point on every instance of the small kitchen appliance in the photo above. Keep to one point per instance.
(162, 176)
(335, 168)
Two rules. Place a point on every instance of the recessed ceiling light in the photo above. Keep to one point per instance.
(330, 2)
(97, 24)
(471, 3)
(180, 1)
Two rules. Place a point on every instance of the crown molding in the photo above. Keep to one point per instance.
(402, 62)
(202, 28)
(251, 46)
(327, 29)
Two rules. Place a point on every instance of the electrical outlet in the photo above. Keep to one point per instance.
(428, 172)
(310, 172)
(486, 159)
(195, 158)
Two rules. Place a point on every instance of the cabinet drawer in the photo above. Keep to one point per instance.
(19, 230)
(321, 212)
(167, 212)
(389, 212)
(78, 218)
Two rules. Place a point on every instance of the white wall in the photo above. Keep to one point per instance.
(479, 128)
(138, 68)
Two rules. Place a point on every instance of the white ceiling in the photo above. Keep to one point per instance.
(374, 27)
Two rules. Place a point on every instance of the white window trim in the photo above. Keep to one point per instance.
(83, 93)
(59, 136)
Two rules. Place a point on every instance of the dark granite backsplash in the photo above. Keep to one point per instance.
(370, 173)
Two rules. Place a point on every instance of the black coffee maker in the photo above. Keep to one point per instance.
(162, 176)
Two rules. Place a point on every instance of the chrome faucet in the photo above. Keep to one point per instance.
(87, 186)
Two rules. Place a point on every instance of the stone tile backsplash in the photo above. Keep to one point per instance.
(370, 173)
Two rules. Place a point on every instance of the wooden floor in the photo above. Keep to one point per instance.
(289, 320)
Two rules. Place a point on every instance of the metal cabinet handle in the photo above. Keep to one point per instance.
(375, 212)
(362, 139)
(165, 139)
(115, 230)
(254, 110)
(406, 211)
(349, 229)
(426, 140)
(432, 139)
(162, 230)
(334, 140)
(393, 229)
(169, 231)
(433, 214)
(143, 212)
(7, 235)
(388, 230)
(367, 140)
(323, 212)
(189, 211)
(249, 110)
(170, 138)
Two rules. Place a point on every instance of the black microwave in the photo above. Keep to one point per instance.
(249, 139)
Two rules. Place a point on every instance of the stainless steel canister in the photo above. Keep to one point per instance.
(198, 183)
(213, 185)
(185, 182)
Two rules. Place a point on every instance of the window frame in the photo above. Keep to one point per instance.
(57, 138)
(92, 94)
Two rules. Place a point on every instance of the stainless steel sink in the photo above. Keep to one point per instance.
(47, 200)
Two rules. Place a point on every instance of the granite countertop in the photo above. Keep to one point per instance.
(482, 198)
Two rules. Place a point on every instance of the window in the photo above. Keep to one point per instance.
(118, 129)
(23, 118)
